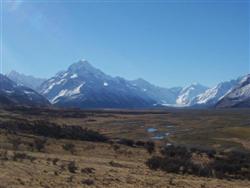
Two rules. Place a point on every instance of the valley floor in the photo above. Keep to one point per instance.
(74, 163)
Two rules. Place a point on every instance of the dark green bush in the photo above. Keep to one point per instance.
(150, 147)
(72, 167)
(22, 156)
(127, 142)
(40, 143)
(140, 143)
(48, 129)
(69, 147)
(178, 159)
(154, 162)
(16, 142)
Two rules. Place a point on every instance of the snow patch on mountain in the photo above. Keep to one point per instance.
(243, 91)
(65, 74)
(105, 84)
(74, 76)
(53, 84)
(67, 93)
(188, 93)
(28, 92)
(208, 95)
(8, 91)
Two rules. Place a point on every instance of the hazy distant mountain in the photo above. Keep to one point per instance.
(187, 94)
(164, 96)
(84, 86)
(212, 95)
(13, 94)
(239, 96)
(28, 81)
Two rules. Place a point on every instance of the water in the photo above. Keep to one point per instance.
(170, 126)
(167, 134)
(158, 137)
(151, 130)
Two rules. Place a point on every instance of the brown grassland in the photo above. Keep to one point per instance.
(34, 160)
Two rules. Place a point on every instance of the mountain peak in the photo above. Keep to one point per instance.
(141, 81)
(84, 69)
(196, 84)
(12, 72)
(81, 65)
(82, 62)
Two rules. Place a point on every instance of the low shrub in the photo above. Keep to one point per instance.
(177, 159)
(72, 167)
(88, 170)
(140, 143)
(127, 142)
(48, 129)
(4, 155)
(16, 142)
(116, 147)
(55, 160)
(88, 182)
(39, 143)
(22, 156)
(150, 146)
(69, 147)
(154, 162)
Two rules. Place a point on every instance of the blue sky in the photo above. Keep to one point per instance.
(169, 43)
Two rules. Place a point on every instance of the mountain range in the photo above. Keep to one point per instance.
(188, 94)
(25, 80)
(85, 86)
(239, 96)
(14, 94)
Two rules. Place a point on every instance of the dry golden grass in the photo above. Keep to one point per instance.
(103, 165)
(98, 165)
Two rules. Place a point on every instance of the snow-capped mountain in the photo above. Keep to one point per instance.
(212, 95)
(239, 96)
(187, 94)
(14, 94)
(164, 96)
(84, 86)
(28, 81)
